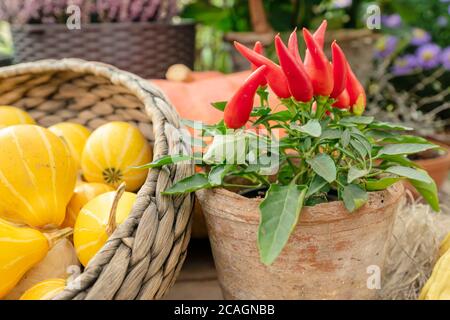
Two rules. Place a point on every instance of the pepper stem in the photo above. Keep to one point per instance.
(111, 226)
(54, 236)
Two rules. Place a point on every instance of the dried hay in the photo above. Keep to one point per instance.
(413, 249)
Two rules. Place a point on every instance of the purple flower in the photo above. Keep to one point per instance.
(445, 58)
(404, 65)
(442, 21)
(445, 1)
(340, 4)
(391, 21)
(428, 56)
(385, 47)
(420, 37)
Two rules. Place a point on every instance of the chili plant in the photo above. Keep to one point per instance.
(326, 150)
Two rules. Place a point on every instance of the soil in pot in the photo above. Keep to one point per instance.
(331, 253)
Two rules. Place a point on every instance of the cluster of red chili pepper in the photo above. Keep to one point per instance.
(302, 80)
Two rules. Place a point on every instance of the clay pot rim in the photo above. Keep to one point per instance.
(439, 160)
(320, 213)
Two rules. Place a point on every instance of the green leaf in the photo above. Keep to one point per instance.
(363, 140)
(190, 184)
(324, 166)
(400, 159)
(405, 139)
(355, 173)
(217, 174)
(312, 128)
(345, 139)
(428, 191)
(381, 184)
(279, 215)
(220, 105)
(357, 120)
(388, 126)
(354, 197)
(359, 147)
(284, 115)
(317, 184)
(410, 173)
(405, 148)
(260, 111)
(166, 160)
(331, 134)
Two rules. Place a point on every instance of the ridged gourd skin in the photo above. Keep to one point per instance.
(84, 192)
(110, 153)
(445, 245)
(74, 135)
(45, 290)
(438, 286)
(90, 228)
(20, 249)
(37, 176)
(10, 116)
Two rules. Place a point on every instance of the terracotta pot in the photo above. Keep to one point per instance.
(327, 255)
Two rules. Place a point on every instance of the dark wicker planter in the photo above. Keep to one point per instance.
(146, 49)
(5, 61)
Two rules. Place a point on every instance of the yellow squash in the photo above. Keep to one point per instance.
(20, 249)
(438, 286)
(97, 221)
(84, 192)
(111, 152)
(10, 116)
(45, 290)
(75, 136)
(60, 262)
(445, 245)
(37, 176)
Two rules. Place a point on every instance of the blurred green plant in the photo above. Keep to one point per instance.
(217, 17)
(6, 47)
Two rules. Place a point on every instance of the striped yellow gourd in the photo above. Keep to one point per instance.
(10, 116)
(21, 249)
(84, 192)
(45, 290)
(37, 176)
(97, 221)
(111, 152)
(74, 135)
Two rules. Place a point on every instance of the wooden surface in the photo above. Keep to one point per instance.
(198, 279)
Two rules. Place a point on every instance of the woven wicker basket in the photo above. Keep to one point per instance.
(144, 255)
(146, 49)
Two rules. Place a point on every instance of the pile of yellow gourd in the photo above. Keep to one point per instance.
(59, 182)
(438, 286)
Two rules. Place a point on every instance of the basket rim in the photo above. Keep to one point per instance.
(184, 23)
(102, 271)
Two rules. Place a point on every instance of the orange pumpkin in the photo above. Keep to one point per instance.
(193, 99)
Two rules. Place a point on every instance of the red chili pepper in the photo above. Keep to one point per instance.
(299, 83)
(318, 67)
(275, 77)
(319, 36)
(238, 109)
(258, 48)
(342, 100)
(339, 70)
(293, 46)
(356, 92)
